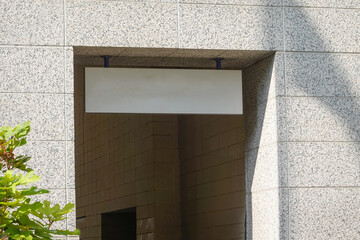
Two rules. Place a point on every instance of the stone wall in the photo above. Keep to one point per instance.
(314, 117)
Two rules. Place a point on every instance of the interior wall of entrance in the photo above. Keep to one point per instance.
(212, 176)
(123, 163)
(184, 174)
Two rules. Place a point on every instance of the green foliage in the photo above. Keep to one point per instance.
(20, 218)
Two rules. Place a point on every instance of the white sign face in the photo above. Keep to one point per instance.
(178, 91)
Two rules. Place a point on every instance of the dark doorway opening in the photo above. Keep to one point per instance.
(119, 225)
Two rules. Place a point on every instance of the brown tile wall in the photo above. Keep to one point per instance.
(212, 177)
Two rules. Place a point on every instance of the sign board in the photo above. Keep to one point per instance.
(176, 91)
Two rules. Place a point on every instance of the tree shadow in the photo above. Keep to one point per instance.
(318, 86)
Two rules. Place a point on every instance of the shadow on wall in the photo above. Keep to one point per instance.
(257, 83)
(322, 75)
(319, 99)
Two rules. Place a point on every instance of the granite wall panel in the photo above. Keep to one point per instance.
(204, 26)
(321, 29)
(323, 3)
(48, 160)
(237, 2)
(121, 24)
(322, 75)
(45, 111)
(32, 69)
(306, 119)
(321, 164)
(32, 22)
(324, 213)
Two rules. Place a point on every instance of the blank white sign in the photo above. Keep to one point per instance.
(134, 90)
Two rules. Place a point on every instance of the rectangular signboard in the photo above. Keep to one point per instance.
(178, 91)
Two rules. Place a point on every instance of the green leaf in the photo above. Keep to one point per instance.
(21, 218)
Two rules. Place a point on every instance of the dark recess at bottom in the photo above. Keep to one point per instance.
(119, 225)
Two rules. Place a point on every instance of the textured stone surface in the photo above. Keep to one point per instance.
(284, 213)
(45, 111)
(239, 2)
(48, 162)
(148, 52)
(32, 69)
(247, 57)
(322, 29)
(208, 62)
(262, 163)
(261, 125)
(69, 70)
(127, 24)
(264, 80)
(71, 198)
(319, 164)
(163, 1)
(321, 119)
(324, 213)
(264, 212)
(70, 164)
(69, 117)
(322, 105)
(32, 22)
(314, 74)
(230, 27)
(195, 53)
(98, 51)
(324, 3)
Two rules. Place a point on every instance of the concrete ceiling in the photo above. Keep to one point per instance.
(167, 58)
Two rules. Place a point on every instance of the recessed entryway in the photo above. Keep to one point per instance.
(119, 225)
(183, 173)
